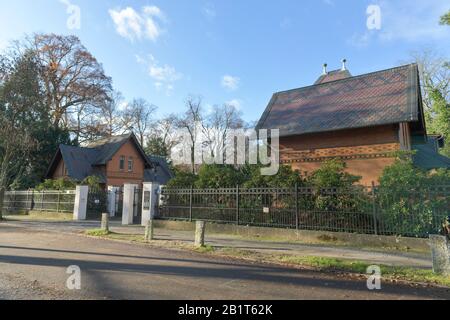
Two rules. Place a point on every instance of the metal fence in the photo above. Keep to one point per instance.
(53, 201)
(413, 213)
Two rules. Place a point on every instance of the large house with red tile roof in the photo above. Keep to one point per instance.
(363, 120)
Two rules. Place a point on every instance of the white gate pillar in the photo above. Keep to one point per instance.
(80, 205)
(112, 199)
(149, 201)
(128, 201)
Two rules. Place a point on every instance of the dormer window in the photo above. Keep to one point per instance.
(130, 164)
(122, 163)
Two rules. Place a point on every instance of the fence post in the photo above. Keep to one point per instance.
(190, 203)
(2, 197)
(297, 221)
(57, 205)
(237, 205)
(374, 209)
(42, 200)
(32, 201)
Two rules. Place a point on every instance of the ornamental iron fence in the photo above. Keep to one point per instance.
(53, 201)
(366, 210)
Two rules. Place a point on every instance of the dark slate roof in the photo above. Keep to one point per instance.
(333, 76)
(378, 98)
(427, 155)
(107, 148)
(78, 161)
(83, 162)
(161, 174)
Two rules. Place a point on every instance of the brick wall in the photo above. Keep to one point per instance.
(366, 151)
(117, 177)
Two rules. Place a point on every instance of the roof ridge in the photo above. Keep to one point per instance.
(349, 78)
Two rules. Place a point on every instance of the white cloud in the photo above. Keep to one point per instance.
(237, 103)
(133, 25)
(164, 76)
(209, 11)
(406, 20)
(230, 82)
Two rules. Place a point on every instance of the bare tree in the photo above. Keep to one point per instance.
(72, 78)
(110, 117)
(138, 118)
(218, 125)
(435, 74)
(162, 136)
(191, 121)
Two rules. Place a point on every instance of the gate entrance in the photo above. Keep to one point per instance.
(137, 206)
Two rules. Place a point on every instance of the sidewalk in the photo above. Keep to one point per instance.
(392, 258)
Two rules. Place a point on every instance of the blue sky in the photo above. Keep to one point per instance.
(230, 50)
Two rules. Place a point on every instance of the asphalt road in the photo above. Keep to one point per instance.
(34, 261)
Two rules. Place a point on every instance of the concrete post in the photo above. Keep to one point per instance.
(105, 222)
(149, 230)
(128, 201)
(2, 197)
(200, 233)
(440, 255)
(149, 201)
(80, 206)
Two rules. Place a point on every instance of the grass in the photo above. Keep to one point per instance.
(205, 249)
(38, 216)
(311, 262)
(358, 267)
(98, 233)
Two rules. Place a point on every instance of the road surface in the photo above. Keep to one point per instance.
(34, 261)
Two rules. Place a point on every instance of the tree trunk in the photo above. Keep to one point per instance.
(2, 197)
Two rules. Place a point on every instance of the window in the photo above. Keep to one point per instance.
(130, 164)
(122, 163)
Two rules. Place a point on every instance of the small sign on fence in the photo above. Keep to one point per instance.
(266, 210)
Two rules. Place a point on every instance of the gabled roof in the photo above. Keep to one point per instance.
(82, 162)
(427, 155)
(108, 147)
(161, 172)
(378, 98)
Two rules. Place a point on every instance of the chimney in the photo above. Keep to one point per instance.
(325, 69)
(344, 67)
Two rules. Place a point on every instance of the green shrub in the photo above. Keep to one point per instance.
(182, 179)
(56, 184)
(218, 176)
(93, 182)
(285, 178)
(409, 201)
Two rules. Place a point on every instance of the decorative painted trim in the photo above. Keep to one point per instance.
(349, 157)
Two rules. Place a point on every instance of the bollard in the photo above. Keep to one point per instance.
(440, 255)
(2, 197)
(149, 230)
(200, 233)
(105, 222)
